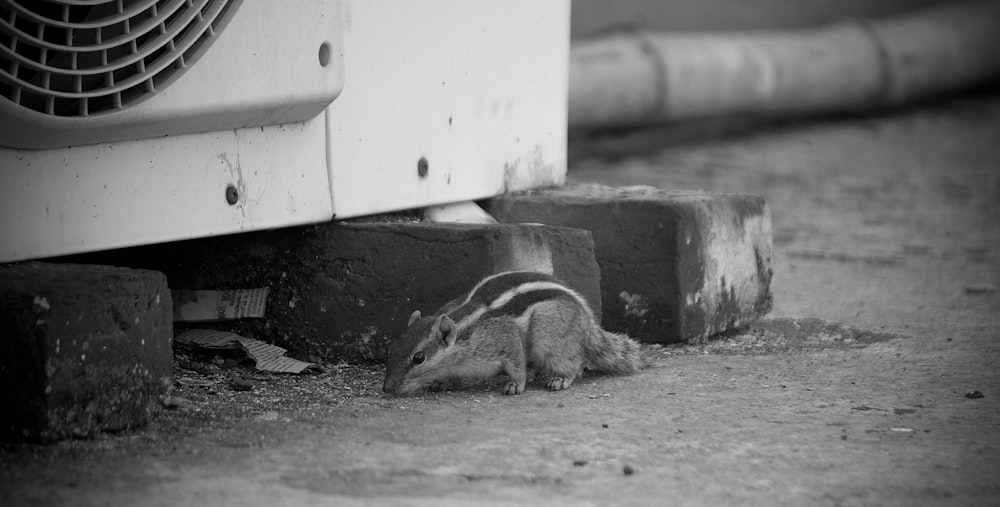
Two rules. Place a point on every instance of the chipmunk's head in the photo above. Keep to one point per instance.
(414, 360)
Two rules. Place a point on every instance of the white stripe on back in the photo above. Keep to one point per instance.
(509, 295)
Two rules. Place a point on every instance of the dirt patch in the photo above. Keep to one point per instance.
(778, 336)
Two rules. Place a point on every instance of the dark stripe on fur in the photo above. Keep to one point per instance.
(460, 312)
(516, 307)
(521, 302)
(496, 287)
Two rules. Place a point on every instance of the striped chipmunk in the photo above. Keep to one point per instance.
(507, 323)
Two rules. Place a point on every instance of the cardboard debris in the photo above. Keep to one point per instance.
(266, 357)
(218, 305)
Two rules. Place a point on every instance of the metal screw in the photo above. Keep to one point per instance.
(422, 167)
(325, 52)
(232, 195)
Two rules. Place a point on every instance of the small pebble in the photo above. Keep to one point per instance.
(628, 470)
(604, 425)
(974, 395)
(239, 384)
(980, 289)
(579, 462)
(176, 402)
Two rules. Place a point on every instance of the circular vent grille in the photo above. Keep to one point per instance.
(79, 58)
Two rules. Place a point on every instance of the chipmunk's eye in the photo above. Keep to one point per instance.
(418, 357)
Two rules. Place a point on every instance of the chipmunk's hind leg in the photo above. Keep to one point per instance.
(561, 370)
(556, 347)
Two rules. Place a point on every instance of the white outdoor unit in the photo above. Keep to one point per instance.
(127, 122)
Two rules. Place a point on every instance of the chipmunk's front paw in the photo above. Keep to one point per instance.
(444, 385)
(558, 383)
(513, 388)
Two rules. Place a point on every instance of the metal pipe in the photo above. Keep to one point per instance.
(637, 78)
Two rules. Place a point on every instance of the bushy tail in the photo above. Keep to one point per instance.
(615, 353)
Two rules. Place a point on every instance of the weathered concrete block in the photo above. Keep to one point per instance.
(82, 349)
(341, 291)
(675, 266)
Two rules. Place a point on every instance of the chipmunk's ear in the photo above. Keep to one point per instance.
(446, 327)
(413, 318)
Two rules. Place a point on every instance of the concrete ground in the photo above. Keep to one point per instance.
(890, 224)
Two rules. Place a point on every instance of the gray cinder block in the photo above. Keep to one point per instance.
(675, 265)
(83, 349)
(342, 291)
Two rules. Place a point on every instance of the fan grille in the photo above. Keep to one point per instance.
(81, 58)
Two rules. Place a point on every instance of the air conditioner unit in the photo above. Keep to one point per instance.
(127, 122)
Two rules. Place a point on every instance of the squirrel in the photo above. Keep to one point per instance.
(506, 323)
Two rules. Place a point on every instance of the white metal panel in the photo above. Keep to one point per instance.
(476, 87)
(80, 199)
(264, 68)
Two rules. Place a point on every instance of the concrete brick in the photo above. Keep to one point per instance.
(82, 349)
(341, 291)
(675, 266)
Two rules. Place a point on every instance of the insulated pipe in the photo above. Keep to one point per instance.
(637, 78)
